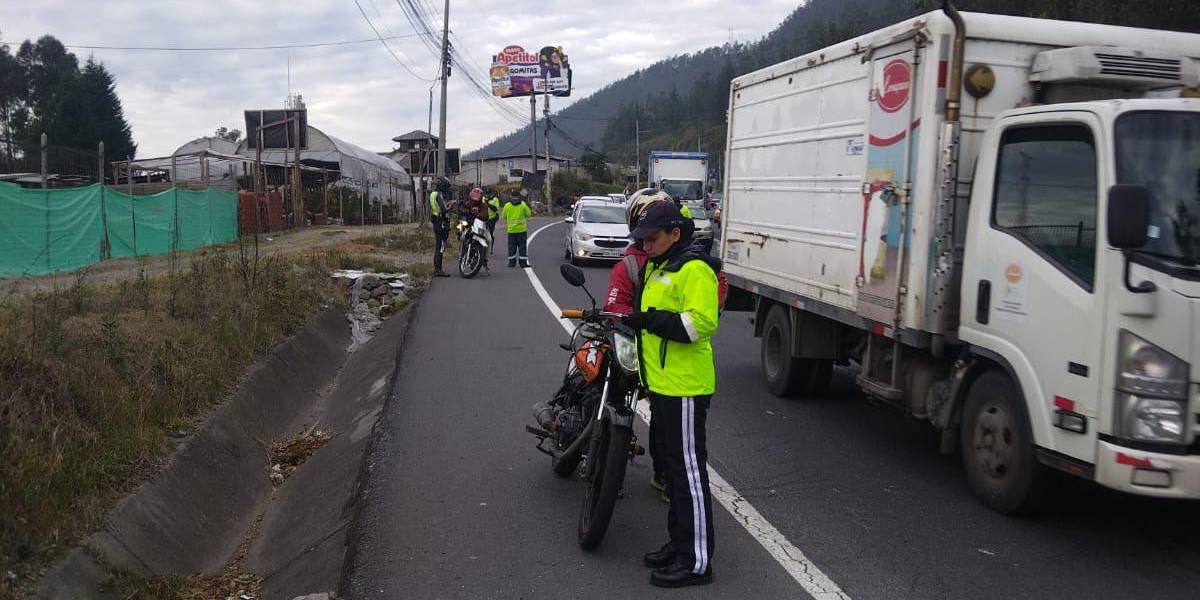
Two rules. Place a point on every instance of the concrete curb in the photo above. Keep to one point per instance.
(192, 515)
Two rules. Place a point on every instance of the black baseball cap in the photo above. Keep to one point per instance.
(658, 216)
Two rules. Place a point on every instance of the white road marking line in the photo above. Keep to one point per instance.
(801, 569)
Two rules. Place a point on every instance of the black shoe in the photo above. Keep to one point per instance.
(678, 575)
(661, 558)
(440, 274)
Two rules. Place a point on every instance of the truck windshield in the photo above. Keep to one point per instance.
(684, 190)
(1161, 151)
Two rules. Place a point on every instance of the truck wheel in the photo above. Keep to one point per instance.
(997, 447)
(783, 373)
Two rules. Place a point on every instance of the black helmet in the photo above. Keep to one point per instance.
(443, 185)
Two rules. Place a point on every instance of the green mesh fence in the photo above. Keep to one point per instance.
(48, 231)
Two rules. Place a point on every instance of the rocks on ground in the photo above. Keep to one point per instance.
(373, 297)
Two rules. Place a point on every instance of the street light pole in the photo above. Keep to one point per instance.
(441, 165)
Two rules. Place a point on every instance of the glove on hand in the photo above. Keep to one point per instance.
(637, 320)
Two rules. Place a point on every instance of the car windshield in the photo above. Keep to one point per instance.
(601, 214)
(1161, 151)
(684, 190)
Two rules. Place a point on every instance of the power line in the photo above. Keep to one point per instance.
(227, 48)
(389, 48)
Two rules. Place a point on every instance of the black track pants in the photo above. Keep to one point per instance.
(441, 231)
(682, 451)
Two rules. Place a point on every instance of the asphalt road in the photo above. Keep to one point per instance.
(460, 505)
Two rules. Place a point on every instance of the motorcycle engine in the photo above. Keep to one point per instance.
(569, 423)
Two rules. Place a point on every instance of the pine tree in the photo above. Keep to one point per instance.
(101, 114)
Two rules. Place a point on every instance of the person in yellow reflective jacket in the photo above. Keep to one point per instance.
(493, 202)
(676, 317)
(439, 200)
(516, 217)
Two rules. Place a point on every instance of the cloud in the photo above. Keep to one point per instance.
(358, 92)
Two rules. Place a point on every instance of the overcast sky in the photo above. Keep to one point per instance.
(358, 92)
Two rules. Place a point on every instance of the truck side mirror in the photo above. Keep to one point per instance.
(1128, 216)
(1128, 221)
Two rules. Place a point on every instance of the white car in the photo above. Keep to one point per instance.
(618, 198)
(596, 229)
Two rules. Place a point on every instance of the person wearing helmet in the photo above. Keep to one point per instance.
(624, 284)
(476, 207)
(676, 316)
(438, 207)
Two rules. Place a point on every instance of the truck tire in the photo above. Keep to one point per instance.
(782, 372)
(997, 447)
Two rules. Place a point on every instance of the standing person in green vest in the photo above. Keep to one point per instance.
(676, 317)
(516, 218)
(438, 201)
(493, 213)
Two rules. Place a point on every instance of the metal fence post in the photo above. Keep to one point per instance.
(175, 194)
(132, 209)
(44, 186)
(105, 249)
(47, 194)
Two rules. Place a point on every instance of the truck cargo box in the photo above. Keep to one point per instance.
(836, 188)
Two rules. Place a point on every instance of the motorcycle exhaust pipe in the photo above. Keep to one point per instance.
(544, 415)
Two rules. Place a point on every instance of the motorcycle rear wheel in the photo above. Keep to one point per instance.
(607, 458)
(471, 260)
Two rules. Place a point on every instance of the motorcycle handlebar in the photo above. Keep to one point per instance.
(579, 313)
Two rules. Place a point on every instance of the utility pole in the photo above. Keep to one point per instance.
(441, 166)
(549, 164)
(637, 151)
(533, 132)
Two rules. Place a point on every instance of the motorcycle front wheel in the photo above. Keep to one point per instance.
(471, 260)
(608, 455)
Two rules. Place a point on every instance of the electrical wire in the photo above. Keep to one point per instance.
(228, 48)
(389, 48)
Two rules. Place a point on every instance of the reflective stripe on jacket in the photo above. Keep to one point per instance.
(516, 216)
(675, 348)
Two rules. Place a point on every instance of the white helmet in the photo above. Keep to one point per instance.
(637, 203)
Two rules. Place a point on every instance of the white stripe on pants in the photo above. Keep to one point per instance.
(695, 486)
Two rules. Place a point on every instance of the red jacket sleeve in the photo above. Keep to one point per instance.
(620, 290)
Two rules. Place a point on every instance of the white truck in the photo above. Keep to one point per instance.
(681, 174)
(998, 219)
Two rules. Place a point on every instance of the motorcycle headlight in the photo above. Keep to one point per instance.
(583, 237)
(461, 225)
(627, 354)
(1152, 385)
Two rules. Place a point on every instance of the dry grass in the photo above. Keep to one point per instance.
(95, 379)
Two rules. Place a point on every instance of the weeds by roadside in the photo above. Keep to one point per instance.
(96, 381)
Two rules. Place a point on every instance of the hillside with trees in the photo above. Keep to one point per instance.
(679, 103)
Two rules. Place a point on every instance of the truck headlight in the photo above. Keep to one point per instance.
(627, 355)
(1152, 385)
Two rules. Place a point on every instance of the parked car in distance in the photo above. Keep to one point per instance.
(596, 229)
(704, 225)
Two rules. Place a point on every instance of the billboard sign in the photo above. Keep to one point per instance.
(516, 73)
(453, 164)
(278, 128)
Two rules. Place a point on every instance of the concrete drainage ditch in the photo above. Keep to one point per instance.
(216, 500)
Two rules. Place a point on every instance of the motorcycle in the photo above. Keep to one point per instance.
(588, 426)
(475, 238)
